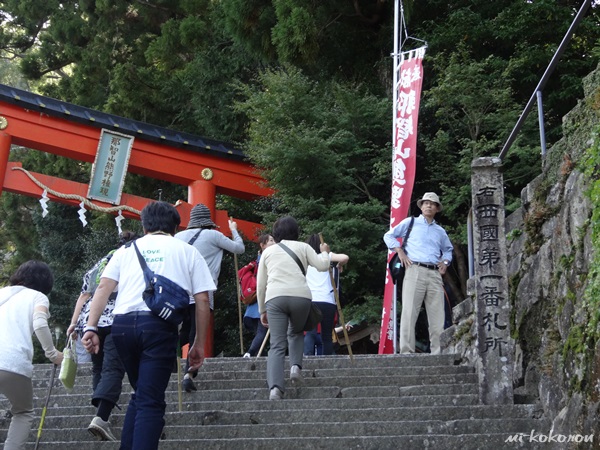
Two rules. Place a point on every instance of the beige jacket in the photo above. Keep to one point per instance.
(279, 275)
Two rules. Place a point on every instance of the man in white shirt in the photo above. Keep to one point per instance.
(146, 343)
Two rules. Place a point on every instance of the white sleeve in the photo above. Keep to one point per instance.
(42, 332)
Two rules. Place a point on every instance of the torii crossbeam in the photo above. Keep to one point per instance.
(207, 167)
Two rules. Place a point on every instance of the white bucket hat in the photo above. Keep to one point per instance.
(432, 197)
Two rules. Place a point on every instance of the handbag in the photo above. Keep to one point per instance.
(314, 315)
(397, 270)
(164, 297)
(68, 367)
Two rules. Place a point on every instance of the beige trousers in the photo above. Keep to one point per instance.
(421, 285)
(18, 390)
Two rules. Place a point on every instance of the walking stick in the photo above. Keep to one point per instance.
(239, 302)
(339, 307)
(264, 342)
(179, 390)
(39, 433)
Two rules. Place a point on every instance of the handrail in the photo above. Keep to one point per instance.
(559, 51)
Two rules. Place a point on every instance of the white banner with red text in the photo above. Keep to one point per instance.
(406, 113)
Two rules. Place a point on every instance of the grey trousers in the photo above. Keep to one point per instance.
(287, 317)
(421, 285)
(18, 390)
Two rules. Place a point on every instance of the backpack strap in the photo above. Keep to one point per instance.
(193, 239)
(294, 257)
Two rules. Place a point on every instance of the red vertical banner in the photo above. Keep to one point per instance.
(406, 113)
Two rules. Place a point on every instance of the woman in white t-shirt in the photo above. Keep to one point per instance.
(23, 311)
(324, 297)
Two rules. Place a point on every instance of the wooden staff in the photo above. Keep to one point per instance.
(239, 302)
(179, 393)
(339, 307)
(264, 342)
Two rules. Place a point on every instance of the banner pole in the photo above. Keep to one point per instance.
(398, 10)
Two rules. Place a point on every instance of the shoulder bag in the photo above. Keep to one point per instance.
(397, 270)
(164, 297)
(314, 315)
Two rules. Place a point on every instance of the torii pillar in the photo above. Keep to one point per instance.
(204, 191)
(5, 142)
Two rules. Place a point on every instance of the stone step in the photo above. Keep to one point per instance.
(190, 404)
(496, 441)
(83, 386)
(309, 362)
(326, 415)
(373, 429)
(85, 379)
(308, 394)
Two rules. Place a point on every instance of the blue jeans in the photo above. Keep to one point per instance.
(260, 331)
(147, 346)
(327, 322)
(313, 344)
(111, 369)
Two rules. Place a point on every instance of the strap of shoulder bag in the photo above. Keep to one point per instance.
(147, 272)
(294, 256)
(412, 221)
(193, 239)
(7, 299)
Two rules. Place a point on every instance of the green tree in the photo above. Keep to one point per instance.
(324, 148)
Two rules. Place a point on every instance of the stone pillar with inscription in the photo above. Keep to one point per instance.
(495, 346)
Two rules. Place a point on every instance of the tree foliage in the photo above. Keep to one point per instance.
(323, 148)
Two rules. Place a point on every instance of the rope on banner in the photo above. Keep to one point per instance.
(84, 200)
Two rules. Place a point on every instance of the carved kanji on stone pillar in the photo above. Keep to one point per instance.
(495, 346)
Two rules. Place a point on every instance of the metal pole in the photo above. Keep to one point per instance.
(545, 77)
(541, 122)
(45, 409)
(395, 317)
(470, 243)
(398, 11)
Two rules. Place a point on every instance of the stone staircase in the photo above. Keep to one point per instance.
(374, 402)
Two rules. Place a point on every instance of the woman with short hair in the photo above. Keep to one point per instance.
(284, 299)
(23, 311)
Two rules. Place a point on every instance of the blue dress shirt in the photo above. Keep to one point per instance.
(428, 242)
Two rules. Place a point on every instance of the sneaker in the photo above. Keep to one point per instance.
(275, 394)
(101, 429)
(188, 385)
(247, 355)
(296, 374)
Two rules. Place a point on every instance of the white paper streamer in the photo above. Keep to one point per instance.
(118, 220)
(44, 202)
(81, 213)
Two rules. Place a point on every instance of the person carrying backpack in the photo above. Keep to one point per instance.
(202, 234)
(247, 275)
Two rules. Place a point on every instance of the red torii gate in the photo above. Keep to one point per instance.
(206, 167)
